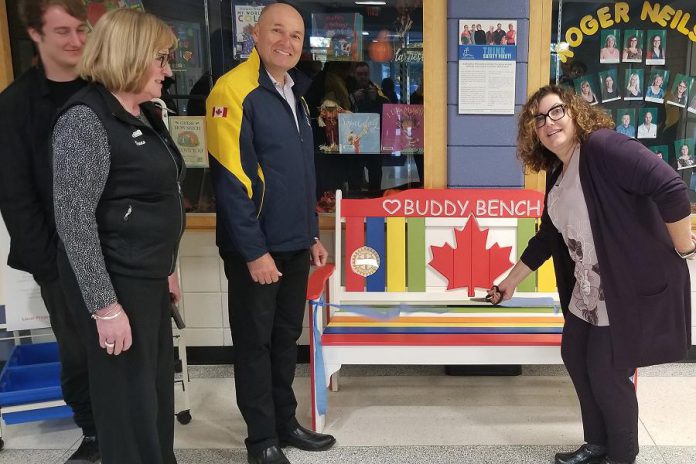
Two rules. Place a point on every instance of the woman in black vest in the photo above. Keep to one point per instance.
(119, 214)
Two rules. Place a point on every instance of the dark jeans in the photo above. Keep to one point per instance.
(74, 380)
(132, 393)
(607, 396)
(266, 321)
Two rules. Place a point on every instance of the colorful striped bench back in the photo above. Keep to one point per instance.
(430, 246)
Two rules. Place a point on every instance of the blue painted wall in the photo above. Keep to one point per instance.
(481, 148)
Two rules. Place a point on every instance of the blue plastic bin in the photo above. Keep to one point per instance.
(31, 375)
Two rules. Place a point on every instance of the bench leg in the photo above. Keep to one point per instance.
(333, 384)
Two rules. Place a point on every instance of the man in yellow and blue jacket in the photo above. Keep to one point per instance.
(262, 165)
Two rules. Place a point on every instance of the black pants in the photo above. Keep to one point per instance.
(607, 395)
(266, 321)
(73, 358)
(132, 393)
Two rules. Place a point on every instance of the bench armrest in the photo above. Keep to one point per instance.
(317, 281)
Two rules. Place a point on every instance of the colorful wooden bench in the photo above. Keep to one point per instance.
(406, 269)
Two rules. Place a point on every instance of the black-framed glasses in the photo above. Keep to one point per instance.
(554, 114)
(163, 59)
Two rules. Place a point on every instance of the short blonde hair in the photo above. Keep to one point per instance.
(586, 119)
(122, 47)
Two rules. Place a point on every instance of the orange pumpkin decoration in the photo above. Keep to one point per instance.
(391, 191)
(381, 49)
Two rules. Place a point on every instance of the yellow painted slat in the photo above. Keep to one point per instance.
(396, 254)
(546, 277)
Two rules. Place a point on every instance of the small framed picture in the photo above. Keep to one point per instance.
(680, 90)
(662, 151)
(684, 151)
(656, 85)
(625, 121)
(585, 87)
(632, 46)
(609, 85)
(648, 121)
(656, 48)
(611, 40)
(692, 105)
(633, 84)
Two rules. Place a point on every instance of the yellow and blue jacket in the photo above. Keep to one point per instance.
(261, 165)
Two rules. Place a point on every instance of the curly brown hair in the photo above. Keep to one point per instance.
(587, 119)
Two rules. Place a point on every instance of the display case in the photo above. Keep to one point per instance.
(636, 60)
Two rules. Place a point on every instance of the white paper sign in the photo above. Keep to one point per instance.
(487, 66)
(24, 307)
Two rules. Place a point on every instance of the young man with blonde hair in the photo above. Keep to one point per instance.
(29, 104)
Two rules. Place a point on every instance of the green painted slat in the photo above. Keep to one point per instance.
(526, 228)
(415, 257)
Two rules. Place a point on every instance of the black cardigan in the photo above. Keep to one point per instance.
(630, 195)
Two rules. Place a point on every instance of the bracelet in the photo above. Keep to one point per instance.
(110, 317)
(689, 254)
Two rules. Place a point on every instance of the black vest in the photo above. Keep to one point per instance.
(140, 215)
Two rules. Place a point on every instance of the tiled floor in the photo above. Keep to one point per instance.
(415, 415)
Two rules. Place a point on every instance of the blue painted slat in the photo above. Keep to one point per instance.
(375, 239)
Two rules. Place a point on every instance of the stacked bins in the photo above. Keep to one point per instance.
(32, 377)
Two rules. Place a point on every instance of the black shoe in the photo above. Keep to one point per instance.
(87, 453)
(271, 455)
(586, 454)
(306, 440)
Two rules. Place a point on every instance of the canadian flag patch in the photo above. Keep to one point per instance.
(219, 111)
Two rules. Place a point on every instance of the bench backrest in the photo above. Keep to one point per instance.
(430, 246)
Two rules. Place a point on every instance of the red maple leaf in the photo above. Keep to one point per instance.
(470, 264)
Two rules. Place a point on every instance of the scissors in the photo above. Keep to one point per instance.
(495, 298)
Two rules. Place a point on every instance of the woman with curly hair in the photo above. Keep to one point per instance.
(616, 222)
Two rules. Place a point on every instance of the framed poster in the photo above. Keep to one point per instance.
(487, 66)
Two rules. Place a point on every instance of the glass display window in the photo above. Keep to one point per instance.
(637, 60)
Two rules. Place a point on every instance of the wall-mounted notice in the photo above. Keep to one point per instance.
(487, 64)
(24, 307)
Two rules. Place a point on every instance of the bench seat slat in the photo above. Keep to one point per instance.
(441, 340)
(441, 330)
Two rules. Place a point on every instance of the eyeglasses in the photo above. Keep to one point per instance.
(555, 113)
(163, 59)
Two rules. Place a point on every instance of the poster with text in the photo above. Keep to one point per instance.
(188, 133)
(487, 66)
(24, 307)
(245, 18)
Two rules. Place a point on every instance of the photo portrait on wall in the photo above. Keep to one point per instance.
(648, 121)
(656, 85)
(626, 121)
(692, 104)
(680, 90)
(633, 84)
(632, 46)
(662, 151)
(610, 41)
(609, 85)
(684, 151)
(656, 47)
(585, 87)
